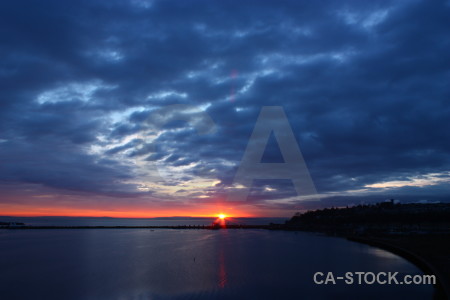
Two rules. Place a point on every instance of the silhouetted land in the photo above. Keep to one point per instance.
(418, 232)
(380, 218)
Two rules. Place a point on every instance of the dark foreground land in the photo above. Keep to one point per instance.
(417, 232)
(431, 253)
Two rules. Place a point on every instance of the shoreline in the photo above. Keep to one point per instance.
(421, 261)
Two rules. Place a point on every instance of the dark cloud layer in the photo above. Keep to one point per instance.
(364, 86)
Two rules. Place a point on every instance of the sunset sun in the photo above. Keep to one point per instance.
(222, 216)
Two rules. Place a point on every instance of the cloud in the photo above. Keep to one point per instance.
(85, 91)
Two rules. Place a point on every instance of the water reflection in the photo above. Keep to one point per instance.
(382, 253)
(222, 270)
(181, 264)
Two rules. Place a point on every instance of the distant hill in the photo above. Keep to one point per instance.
(379, 217)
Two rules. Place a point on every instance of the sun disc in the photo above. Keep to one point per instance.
(222, 216)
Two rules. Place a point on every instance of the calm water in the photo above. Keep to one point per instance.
(189, 264)
(170, 221)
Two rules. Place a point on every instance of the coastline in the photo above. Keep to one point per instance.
(429, 264)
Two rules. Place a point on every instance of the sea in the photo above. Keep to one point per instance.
(188, 263)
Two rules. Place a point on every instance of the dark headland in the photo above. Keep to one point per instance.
(417, 232)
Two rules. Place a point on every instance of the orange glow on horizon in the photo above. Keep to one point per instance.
(78, 206)
(17, 210)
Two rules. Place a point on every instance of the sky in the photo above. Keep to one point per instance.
(145, 108)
